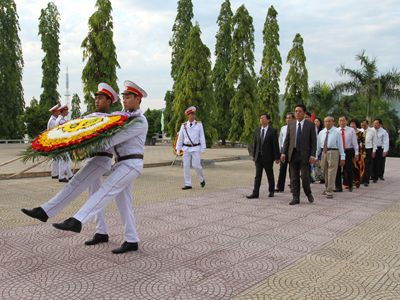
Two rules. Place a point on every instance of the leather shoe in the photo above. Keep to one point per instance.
(324, 193)
(310, 198)
(97, 239)
(125, 248)
(366, 184)
(63, 180)
(295, 201)
(203, 183)
(37, 213)
(350, 188)
(322, 181)
(70, 224)
(381, 178)
(54, 177)
(270, 194)
(329, 197)
(252, 196)
(278, 190)
(375, 181)
(186, 187)
(338, 190)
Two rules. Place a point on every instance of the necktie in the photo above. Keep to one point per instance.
(191, 124)
(298, 135)
(344, 143)
(262, 136)
(325, 143)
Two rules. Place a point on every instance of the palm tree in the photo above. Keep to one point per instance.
(368, 83)
(323, 98)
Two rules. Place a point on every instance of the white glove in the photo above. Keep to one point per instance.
(202, 151)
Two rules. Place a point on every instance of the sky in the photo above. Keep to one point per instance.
(333, 32)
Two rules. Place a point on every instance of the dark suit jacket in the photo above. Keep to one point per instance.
(270, 147)
(308, 141)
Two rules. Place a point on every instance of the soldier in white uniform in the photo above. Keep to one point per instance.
(63, 164)
(50, 125)
(128, 147)
(192, 142)
(88, 177)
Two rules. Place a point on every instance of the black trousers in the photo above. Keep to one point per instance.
(282, 176)
(261, 165)
(296, 166)
(347, 170)
(368, 165)
(378, 159)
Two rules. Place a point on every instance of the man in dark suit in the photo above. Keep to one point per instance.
(299, 150)
(266, 150)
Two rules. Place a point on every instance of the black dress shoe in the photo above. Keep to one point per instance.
(70, 224)
(97, 239)
(125, 248)
(295, 201)
(186, 187)
(37, 213)
(381, 178)
(63, 180)
(54, 177)
(338, 190)
(350, 188)
(366, 184)
(310, 198)
(278, 190)
(375, 181)
(252, 196)
(322, 181)
(270, 194)
(203, 183)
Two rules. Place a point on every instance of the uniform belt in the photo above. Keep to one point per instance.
(327, 149)
(102, 154)
(194, 145)
(132, 156)
(348, 149)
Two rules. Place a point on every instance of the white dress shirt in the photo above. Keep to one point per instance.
(370, 139)
(196, 133)
(282, 137)
(51, 123)
(350, 138)
(335, 141)
(382, 139)
(265, 131)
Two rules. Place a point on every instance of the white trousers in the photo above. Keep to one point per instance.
(54, 168)
(119, 186)
(100, 218)
(64, 167)
(88, 175)
(195, 158)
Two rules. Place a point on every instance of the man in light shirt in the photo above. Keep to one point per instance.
(283, 166)
(350, 145)
(370, 149)
(382, 143)
(330, 143)
(50, 125)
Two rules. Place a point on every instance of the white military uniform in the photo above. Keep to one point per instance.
(54, 164)
(191, 152)
(119, 184)
(63, 164)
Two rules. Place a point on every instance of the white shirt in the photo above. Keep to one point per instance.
(370, 139)
(334, 141)
(350, 138)
(196, 133)
(60, 120)
(382, 139)
(282, 137)
(51, 123)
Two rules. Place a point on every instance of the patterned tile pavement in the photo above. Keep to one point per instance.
(210, 243)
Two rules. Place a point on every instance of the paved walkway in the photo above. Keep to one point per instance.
(208, 243)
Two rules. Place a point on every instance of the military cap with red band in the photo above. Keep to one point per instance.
(133, 88)
(190, 110)
(62, 108)
(106, 89)
(54, 108)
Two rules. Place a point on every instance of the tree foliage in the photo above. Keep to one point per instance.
(49, 29)
(75, 107)
(100, 52)
(168, 112)
(241, 75)
(324, 99)
(154, 120)
(11, 91)
(297, 79)
(194, 87)
(271, 67)
(35, 117)
(223, 93)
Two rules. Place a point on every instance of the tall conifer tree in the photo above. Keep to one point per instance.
(49, 29)
(194, 87)
(11, 91)
(242, 75)
(222, 91)
(100, 53)
(271, 67)
(75, 107)
(297, 79)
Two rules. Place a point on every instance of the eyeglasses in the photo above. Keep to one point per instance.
(263, 118)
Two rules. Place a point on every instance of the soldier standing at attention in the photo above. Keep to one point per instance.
(192, 142)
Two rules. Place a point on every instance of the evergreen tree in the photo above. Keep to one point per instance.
(297, 79)
(49, 29)
(194, 87)
(99, 50)
(181, 30)
(35, 117)
(11, 91)
(151, 131)
(75, 107)
(271, 67)
(222, 91)
(241, 74)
